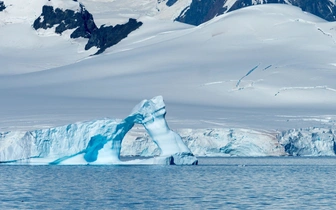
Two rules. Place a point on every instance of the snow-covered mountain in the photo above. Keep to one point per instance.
(200, 11)
(248, 74)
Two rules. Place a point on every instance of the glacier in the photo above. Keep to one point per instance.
(98, 141)
(238, 142)
(312, 141)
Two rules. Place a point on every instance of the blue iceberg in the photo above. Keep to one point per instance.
(97, 142)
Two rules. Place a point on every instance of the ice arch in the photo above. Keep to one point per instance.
(99, 142)
(151, 114)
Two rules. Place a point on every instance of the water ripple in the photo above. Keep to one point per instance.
(217, 183)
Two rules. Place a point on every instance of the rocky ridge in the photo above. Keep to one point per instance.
(84, 26)
(200, 11)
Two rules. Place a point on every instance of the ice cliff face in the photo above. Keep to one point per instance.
(231, 142)
(309, 142)
(217, 142)
(104, 141)
(97, 142)
(89, 141)
(244, 142)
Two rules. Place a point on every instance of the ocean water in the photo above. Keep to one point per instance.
(216, 183)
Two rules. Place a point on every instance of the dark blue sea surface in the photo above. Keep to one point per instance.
(216, 183)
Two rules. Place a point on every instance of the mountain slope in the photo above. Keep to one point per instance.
(248, 68)
(201, 11)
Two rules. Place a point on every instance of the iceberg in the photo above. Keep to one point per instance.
(239, 142)
(97, 142)
(311, 141)
(231, 142)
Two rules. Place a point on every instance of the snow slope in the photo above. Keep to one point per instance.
(25, 50)
(263, 68)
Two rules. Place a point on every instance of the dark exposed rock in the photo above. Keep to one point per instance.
(170, 3)
(68, 19)
(107, 36)
(322, 8)
(84, 25)
(88, 26)
(245, 3)
(2, 6)
(201, 11)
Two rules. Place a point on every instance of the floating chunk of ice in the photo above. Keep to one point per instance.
(97, 142)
